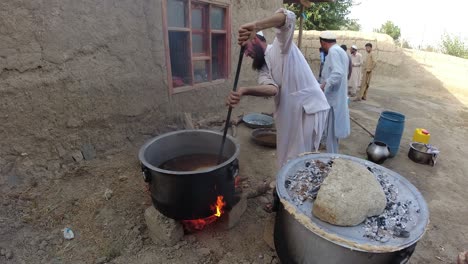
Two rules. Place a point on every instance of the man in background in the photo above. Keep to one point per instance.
(369, 66)
(335, 86)
(350, 66)
(356, 62)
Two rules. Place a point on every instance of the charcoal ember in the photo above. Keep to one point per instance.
(394, 219)
(305, 183)
(381, 221)
(401, 233)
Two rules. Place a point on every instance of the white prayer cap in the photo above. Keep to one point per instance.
(328, 35)
(354, 47)
(260, 33)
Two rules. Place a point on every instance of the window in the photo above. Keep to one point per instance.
(197, 39)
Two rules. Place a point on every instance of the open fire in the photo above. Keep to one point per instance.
(199, 224)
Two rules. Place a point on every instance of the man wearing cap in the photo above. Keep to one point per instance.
(301, 107)
(335, 85)
(356, 60)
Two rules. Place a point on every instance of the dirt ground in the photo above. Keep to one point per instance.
(33, 212)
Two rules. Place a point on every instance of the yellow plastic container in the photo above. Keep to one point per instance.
(421, 135)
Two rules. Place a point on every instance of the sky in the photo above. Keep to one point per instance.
(421, 22)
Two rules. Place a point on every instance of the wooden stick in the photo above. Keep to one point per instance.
(228, 118)
(365, 129)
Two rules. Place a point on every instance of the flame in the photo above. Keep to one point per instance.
(219, 206)
(199, 224)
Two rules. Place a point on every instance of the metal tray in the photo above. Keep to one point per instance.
(256, 120)
(264, 137)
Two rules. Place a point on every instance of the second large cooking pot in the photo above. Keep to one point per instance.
(300, 237)
(187, 195)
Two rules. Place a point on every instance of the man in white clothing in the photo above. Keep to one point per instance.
(301, 107)
(335, 85)
(355, 80)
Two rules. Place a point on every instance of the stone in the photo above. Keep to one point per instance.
(348, 195)
(2, 252)
(61, 151)
(88, 151)
(268, 232)
(77, 156)
(272, 185)
(162, 229)
(9, 254)
(263, 199)
(203, 252)
(231, 218)
(43, 245)
(123, 178)
(74, 123)
(101, 260)
(108, 194)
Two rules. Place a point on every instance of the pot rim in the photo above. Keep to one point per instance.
(412, 147)
(142, 158)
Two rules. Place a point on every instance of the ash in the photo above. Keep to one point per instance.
(306, 182)
(395, 218)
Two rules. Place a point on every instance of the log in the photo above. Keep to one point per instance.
(188, 121)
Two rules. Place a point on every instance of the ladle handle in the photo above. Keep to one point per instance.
(228, 118)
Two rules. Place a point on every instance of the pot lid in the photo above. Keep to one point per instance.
(356, 237)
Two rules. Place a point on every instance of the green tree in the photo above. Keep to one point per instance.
(390, 29)
(327, 16)
(453, 45)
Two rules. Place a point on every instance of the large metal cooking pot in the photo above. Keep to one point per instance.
(186, 195)
(302, 238)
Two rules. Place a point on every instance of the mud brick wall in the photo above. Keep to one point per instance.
(76, 72)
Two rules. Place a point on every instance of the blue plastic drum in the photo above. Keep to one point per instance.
(390, 129)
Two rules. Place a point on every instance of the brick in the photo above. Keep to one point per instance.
(230, 219)
(162, 229)
(268, 231)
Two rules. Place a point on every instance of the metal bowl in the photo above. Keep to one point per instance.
(264, 137)
(418, 153)
(256, 120)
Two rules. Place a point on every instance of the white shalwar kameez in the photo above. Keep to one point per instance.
(335, 75)
(301, 106)
(355, 80)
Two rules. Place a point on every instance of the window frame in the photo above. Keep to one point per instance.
(194, 56)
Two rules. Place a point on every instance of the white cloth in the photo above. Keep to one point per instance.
(355, 80)
(331, 140)
(301, 107)
(335, 74)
